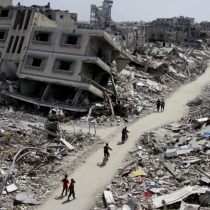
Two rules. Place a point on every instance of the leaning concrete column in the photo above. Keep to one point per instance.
(113, 84)
(47, 91)
(111, 106)
(76, 97)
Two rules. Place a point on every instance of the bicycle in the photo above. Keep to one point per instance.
(105, 159)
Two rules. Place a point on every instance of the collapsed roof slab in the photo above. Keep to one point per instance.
(79, 85)
(98, 62)
(105, 36)
(48, 104)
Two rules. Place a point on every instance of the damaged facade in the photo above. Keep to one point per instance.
(54, 60)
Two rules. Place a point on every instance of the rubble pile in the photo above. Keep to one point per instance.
(168, 169)
(153, 72)
(199, 112)
(156, 73)
(40, 157)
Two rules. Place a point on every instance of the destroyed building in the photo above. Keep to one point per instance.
(175, 21)
(54, 60)
(100, 17)
(158, 33)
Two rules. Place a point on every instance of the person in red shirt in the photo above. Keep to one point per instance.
(65, 185)
(71, 188)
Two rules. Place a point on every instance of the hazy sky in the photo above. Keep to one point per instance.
(133, 10)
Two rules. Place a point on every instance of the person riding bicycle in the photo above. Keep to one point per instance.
(106, 150)
(126, 132)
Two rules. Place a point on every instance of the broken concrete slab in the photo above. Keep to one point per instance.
(130, 205)
(177, 195)
(11, 188)
(108, 196)
(27, 198)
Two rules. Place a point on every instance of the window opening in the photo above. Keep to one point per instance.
(22, 19)
(10, 43)
(72, 40)
(2, 35)
(15, 44)
(37, 62)
(65, 65)
(4, 13)
(27, 20)
(21, 43)
(17, 20)
(42, 37)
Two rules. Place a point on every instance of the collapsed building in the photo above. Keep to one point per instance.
(54, 60)
(46, 61)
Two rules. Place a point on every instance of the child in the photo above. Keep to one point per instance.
(65, 185)
(71, 188)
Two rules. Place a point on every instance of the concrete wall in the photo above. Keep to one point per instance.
(66, 20)
(55, 45)
(9, 68)
(48, 69)
(5, 3)
(41, 20)
(16, 57)
(27, 86)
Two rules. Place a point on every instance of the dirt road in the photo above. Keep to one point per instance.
(90, 178)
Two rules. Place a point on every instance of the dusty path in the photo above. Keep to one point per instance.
(90, 178)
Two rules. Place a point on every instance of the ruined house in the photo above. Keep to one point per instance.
(54, 61)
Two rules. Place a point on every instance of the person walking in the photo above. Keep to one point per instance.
(106, 150)
(71, 188)
(123, 135)
(126, 132)
(158, 104)
(162, 105)
(65, 185)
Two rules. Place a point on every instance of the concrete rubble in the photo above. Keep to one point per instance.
(135, 94)
(97, 80)
(38, 169)
(169, 167)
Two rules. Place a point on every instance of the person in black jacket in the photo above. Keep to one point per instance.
(162, 105)
(158, 104)
(106, 150)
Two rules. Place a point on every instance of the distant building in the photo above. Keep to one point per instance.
(100, 17)
(175, 21)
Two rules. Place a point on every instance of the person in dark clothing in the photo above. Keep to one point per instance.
(158, 104)
(126, 132)
(106, 150)
(65, 185)
(123, 135)
(162, 105)
(71, 188)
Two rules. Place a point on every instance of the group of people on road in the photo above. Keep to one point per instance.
(71, 187)
(160, 104)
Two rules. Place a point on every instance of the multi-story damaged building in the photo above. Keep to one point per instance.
(100, 17)
(158, 33)
(175, 21)
(55, 61)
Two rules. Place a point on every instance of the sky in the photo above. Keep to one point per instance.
(133, 10)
